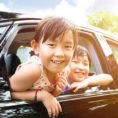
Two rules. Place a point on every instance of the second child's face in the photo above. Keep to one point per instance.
(79, 68)
(56, 55)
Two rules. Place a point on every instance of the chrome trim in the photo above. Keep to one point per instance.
(63, 98)
(13, 103)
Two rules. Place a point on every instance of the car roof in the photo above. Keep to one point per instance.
(87, 28)
(82, 27)
(19, 19)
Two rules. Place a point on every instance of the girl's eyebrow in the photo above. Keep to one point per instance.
(86, 60)
(70, 42)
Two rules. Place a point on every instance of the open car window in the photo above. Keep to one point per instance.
(96, 66)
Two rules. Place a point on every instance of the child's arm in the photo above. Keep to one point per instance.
(52, 105)
(24, 78)
(101, 79)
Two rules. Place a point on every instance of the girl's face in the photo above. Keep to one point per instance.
(79, 68)
(55, 55)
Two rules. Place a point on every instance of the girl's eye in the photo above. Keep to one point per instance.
(86, 64)
(68, 47)
(74, 61)
(51, 44)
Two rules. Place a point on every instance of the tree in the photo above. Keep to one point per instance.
(104, 20)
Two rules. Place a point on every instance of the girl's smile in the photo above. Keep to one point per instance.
(58, 61)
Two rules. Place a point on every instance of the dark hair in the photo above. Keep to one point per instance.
(52, 27)
(81, 51)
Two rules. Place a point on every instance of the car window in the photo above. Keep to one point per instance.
(96, 67)
(17, 46)
(3, 28)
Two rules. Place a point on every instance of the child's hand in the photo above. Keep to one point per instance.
(78, 85)
(52, 105)
(60, 84)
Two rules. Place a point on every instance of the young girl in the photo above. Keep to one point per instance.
(41, 79)
(79, 70)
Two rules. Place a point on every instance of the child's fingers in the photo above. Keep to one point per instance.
(59, 107)
(61, 74)
(61, 86)
(72, 86)
(63, 81)
(59, 89)
(49, 112)
(53, 113)
(76, 89)
(56, 110)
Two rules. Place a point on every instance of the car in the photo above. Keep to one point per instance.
(15, 37)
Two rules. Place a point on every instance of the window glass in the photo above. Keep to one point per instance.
(3, 28)
(114, 47)
(115, 52)
(92, 69)
(23, 52)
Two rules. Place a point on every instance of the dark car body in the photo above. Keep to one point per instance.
(103, 49)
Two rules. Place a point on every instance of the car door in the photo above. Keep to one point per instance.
(102, 102)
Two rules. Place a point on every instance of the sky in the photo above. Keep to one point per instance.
(75, 10)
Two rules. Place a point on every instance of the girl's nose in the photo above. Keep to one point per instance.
(80, 65)
(59, 52)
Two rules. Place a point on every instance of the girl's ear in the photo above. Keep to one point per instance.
(35, 46)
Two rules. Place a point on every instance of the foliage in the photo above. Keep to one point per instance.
(104, 20)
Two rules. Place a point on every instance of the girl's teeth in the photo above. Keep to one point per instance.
(79, 72)
(57, 62)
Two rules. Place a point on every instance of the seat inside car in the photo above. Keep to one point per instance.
(11, 62)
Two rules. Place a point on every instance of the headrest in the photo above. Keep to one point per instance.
(12, 61)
